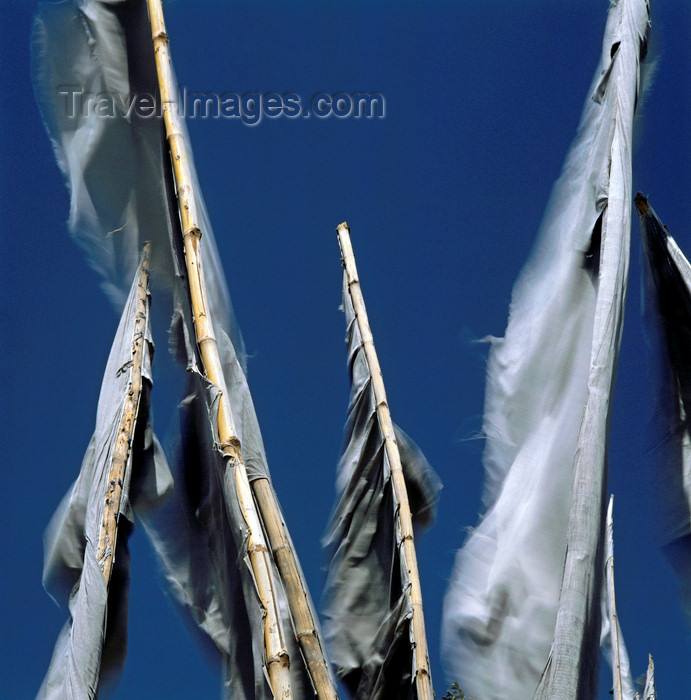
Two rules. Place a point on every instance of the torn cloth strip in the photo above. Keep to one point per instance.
(668, 316)
(502, 602)
(367, 603)
(91, 647)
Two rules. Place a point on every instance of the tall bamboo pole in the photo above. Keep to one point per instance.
(306, 629)
(277, 659)
(404, 521)
(107, 539)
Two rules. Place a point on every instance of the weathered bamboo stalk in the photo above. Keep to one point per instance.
(277, 658)
(404, 521)
(107, 539)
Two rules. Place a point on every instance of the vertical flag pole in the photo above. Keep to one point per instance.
(569, 671)
(107, 538)
(306, 628)
(404, 522)
(277, 659)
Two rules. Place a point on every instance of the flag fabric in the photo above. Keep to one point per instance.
(611, 637)
(93, 67)
(95, 79)
(557, 358)
(367, 606)
(91, 647)
(668, 315)
(649, 692)
(572, 668)
(200, 534)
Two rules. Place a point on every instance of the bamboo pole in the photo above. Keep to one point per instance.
(107, 538)
(404, 521)
(277, 658)
(306, 630)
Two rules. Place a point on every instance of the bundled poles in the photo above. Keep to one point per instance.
(306, 628)
(107, 538)
(402, 513)
(277, 660)
(268, 514)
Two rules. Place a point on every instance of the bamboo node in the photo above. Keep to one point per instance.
(232, 445)
(282, 658)
(257, 548)
(193, 231)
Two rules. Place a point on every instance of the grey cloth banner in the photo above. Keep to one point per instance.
(200, 534)
(91, 649)
(668, 311)
(117, 170)
(511, 603)
(200, 537)
(113, 155)
(367, 597)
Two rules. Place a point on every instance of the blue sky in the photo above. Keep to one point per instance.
(444, 197)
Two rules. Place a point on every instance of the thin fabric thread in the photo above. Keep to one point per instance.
(367, 606)
(500, 609)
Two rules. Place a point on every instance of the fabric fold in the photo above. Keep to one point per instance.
(91, 647)
(668, 318)
(552, 370)
(367, 605)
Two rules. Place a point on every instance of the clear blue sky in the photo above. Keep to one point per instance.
(444, 196)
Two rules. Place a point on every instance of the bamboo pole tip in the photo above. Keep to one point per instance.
(343, 225)
(641, 203)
